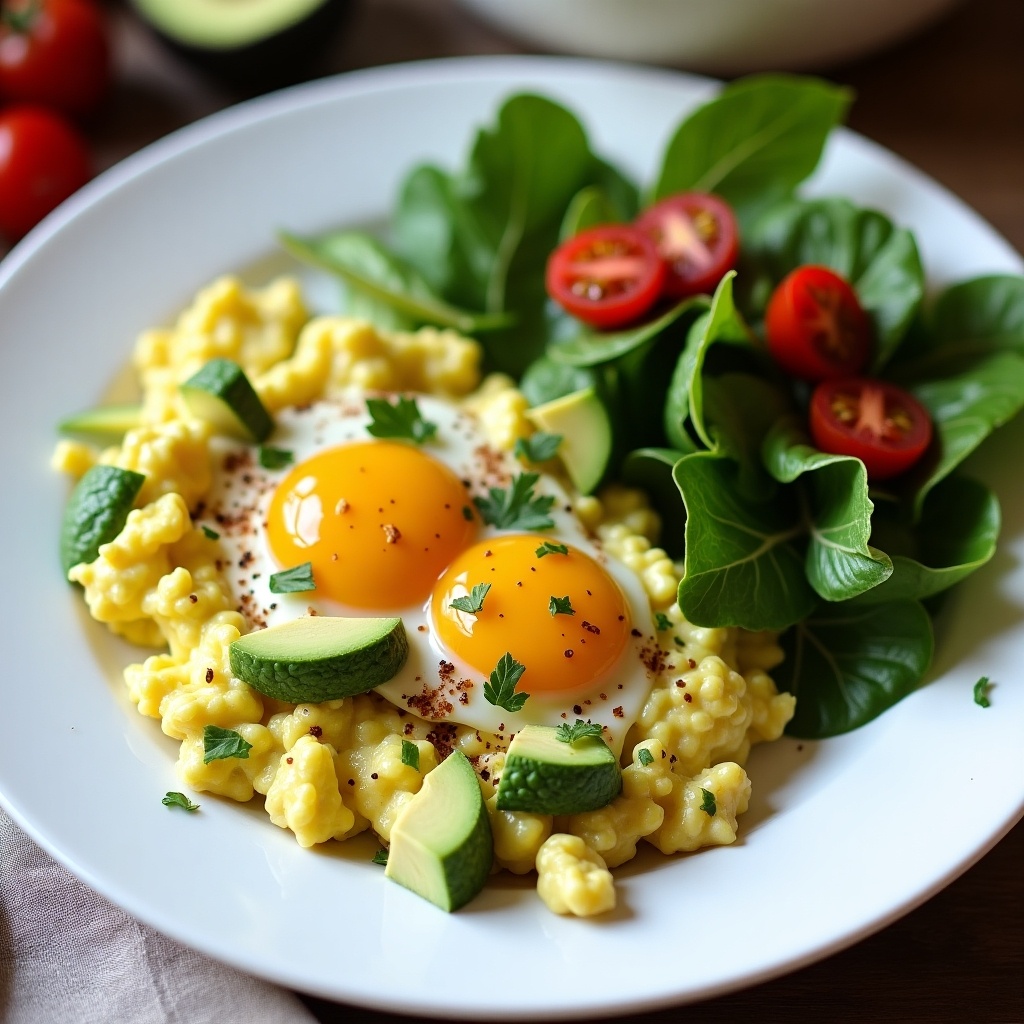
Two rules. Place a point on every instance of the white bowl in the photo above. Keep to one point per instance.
(725, 37)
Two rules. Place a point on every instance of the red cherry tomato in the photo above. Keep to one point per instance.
(42, 161)
(815, 326)
(697, 237)
(607, 276)
(54, 52)
(879, 423)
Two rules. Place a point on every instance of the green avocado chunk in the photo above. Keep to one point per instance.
(441, 844)
(96, 512)
(221, 394)
(105, 422)
(546, 775)
(582, 420)
(320, 657)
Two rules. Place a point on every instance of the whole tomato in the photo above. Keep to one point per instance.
(43, 159)
(54, 52)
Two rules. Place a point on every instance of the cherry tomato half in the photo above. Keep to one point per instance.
(607, 276)
(54, 52)
(815, 326)
(43, 159)
(879, 423)
(697, 237)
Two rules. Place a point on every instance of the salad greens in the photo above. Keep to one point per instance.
(771, 532)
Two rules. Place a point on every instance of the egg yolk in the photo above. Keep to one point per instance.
(378, 520)
(560, 615)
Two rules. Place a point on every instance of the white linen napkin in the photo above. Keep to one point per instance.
(69, 956)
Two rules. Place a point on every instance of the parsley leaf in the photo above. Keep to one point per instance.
(410, 754)
(274, 458)
(981, 692)
(517, 508)
(707, 804)
(294, 580)
(474, 601)
(547, 548)
(561, 606)
(662, 621)
(577, 731)
(381, 857)
(538, 447)
(220, 743)
(175, 799)
(499, 690)
(645, 757)
(402, 419)
(210, 534)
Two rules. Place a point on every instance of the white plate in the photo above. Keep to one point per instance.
(843, 836)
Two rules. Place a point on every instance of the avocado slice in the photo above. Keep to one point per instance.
(254, 45)
(441, 844)
(221, 394)
(547, 775)
(582, 420)
(104, 423)
(320, 657)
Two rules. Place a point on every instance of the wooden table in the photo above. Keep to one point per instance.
(950, 101)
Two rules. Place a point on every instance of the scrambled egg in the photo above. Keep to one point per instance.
(329, 771)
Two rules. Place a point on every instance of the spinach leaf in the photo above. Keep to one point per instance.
(545, 380)
(847, 664)
(394, 294)
(754, 142)
(741, 565)
(651, 470)
(956, 535)
(879, 260)
(590, 207)
(834, 491)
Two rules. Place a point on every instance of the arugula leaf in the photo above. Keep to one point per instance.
(382, 286)
(500, 689)
(410, 755)
(754, 142)
(221, 743)
(176, 799)
(644, 756)
(538, 447)
(741, 566)
(474, 601)
(980, 693)
(707, 803)
(380, 857)
(840, 561)
(516, 508)
(274, 458)
(548, 548)
(403, 419)
(579, 730)
(293, 581)
(560, 606)
(846, 665)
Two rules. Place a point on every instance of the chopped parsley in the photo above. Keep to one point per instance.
(294, 580)
(500, 689)
(561, 606)
(274, 458)
(467, 513)
(577, 731)
(707, 804)
(548, 548)
(473, 602)
(175, 799)
(517, 508)
(381, 857)
(221, 743)
(411, 755)
(402, 419)
(645, 757)
(662, 621)
(210, 534)
(538, 447)
(981, 692)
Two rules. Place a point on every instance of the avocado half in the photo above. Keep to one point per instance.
(254, 45)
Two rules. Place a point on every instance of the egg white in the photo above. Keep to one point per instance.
(434, 683)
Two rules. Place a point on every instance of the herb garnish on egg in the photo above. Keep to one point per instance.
(500, 689)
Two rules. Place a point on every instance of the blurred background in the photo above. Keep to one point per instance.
(939, 82)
